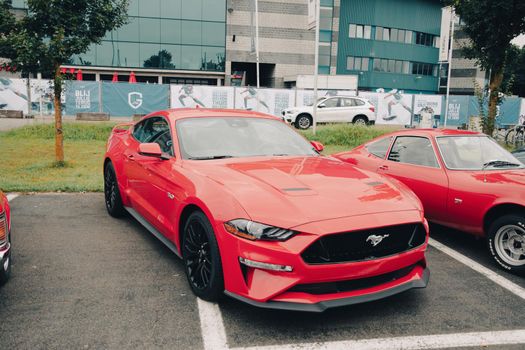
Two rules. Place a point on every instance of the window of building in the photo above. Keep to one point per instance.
(408, 37)
(357, 63)
(359, 31)
(379, 33)
(424, 39)
(427, 69)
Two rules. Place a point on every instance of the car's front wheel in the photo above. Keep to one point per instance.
(202, 259)
(360, 120)
(506, 242)
(303, 121)
(112, 193)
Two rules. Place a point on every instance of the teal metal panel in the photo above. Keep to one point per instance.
(415, 15)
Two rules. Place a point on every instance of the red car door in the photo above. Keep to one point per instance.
(413, 161)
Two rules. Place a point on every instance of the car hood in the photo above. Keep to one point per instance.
(291, 191)
(503, 177)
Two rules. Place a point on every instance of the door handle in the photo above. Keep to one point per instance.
(383, 167)
(131, 157)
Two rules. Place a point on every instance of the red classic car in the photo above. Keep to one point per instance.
(464, 179)
(5, 239)
(257, 213)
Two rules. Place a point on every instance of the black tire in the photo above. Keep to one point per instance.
(112, 196)
(303, 121)
(202, 259)
(509, 256)
(360, 120)
(5, 271)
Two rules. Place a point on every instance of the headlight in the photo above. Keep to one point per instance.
(256, 231)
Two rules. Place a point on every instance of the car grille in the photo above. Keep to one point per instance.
(3, 228)
(351, 285)
(358, 245)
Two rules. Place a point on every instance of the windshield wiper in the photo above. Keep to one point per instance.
(211, 157)
(499, 164)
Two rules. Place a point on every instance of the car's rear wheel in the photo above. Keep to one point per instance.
(202, 259)
(303, 121)
(112, 193)
(506, 242)
(360, 120)
(5, 268)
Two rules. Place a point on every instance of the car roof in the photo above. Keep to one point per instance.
(435, 132)
(181, 113)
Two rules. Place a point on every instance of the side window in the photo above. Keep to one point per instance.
(348, 102)
(155, 130)
(413, 150)
(379, 148)
(358, 102)
(331, 102)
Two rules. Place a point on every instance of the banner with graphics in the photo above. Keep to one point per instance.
(13, 94)
(191, 96)
(427, 110)
(123, 99)
(394, 107)
(271, 101)
(82, 96)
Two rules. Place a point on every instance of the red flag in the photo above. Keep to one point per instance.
(132, 78)
(79, 74)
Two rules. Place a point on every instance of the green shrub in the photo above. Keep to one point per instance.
(73, 131)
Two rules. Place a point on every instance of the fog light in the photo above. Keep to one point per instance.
(265, 266)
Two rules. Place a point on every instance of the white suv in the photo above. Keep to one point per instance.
(337, 109)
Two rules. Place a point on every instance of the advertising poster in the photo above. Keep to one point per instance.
(191, 96)
(272, 101)
(42, 95)
(82, 96)
(13, 94)
(123, 99)
(394, 107)
(458, 108)
(427, 108)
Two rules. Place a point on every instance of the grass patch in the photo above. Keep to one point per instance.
(27, 157)
(344, 136)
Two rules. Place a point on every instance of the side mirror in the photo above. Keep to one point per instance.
(318, 146)
(150, 150)
(321, 105)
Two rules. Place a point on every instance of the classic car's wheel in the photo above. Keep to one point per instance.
(360, 120)
(5, 268)
(202, 259)
(506, 241)
(111, 192)
(303, 121)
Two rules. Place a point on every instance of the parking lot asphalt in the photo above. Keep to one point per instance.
(81, 279)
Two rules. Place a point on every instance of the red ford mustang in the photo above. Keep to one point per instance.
(5, 239)
(464, 179)
(257, 213)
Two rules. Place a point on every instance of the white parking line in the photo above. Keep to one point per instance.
(440, 341)
(488, 273)
(212, 326)
(11, 196)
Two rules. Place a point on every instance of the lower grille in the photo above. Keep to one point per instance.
(365, 244)
(351, 285)
(3, 229)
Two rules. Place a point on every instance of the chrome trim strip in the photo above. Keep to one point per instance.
(153, 231)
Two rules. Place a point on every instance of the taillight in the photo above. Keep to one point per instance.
(3, 228)
(372, 108)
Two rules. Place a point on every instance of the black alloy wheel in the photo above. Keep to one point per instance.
(111, 192)
(201, 257)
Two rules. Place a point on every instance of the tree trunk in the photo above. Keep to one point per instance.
(495, 83)
(59, 134)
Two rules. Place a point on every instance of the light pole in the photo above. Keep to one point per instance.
(257, 44)
(316, 63)
(451, 46)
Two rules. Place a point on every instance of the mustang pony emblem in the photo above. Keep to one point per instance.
(375, 239)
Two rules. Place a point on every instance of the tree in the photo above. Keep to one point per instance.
(50, 34)
(491, 25)
(161, 60)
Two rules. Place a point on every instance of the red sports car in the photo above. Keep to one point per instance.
(5, 239)
(257, 213)
(464, 179)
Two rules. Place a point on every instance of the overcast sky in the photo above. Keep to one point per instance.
(520, 41)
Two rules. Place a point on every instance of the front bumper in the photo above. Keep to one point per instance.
(419, 280)
(289, 290)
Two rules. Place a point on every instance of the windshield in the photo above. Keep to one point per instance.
(475, 153)
(228, 137)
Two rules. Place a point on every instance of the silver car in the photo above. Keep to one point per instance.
(337, 109)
